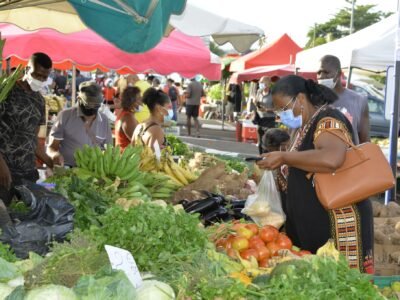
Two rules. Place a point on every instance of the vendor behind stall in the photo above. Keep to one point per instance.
(79, 125)
(151, 131)
(21, 115)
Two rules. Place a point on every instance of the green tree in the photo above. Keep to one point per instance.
(339, 25)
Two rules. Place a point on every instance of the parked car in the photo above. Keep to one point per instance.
(379, 126)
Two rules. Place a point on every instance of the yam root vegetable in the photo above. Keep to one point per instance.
(394, 209)
(384, 212)
(395, 238)
(380, 237)
(376, 208)
(395, 256)
(397, 227)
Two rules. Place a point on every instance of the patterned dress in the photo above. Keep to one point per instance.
(308, 224)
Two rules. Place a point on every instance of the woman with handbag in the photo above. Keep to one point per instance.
(303, 105)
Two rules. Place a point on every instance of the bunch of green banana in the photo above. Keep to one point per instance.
(110, 163)
(161, 187)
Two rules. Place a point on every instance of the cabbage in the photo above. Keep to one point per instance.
(5, 290)
(51, 291)
(153, 289)
(7, 271)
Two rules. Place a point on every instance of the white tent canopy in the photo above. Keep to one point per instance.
(371, 48)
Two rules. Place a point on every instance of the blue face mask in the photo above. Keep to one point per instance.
(290, 120)
(168, 117)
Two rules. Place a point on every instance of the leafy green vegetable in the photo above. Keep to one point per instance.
(68, 262)
(58, 292)
(8, 270)
(89, 202)
(153, 289)
(18, 293)
(234, 163)
(323, 278)
(107, 284)
(157, 237)
(5, 290)
(177, 146)
(7, 253)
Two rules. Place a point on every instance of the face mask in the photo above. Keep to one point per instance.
(168, 117)
(139, 108)
(88, 111)
(329, 83)
(290, 120)
(130, 84)
(36, 85)
(262, 86)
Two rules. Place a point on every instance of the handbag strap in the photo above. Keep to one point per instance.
(346, 141)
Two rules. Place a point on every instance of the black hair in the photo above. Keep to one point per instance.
(150, 78)
(13, 69)
(274, 137)
(78, 72)
(129, 96)
(156, 81)
(41, 59)
(178, 84)
(292, 85)
(152, 97)
(333, 62)
(170, 80)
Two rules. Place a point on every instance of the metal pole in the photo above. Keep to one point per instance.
(73, 85)
(352, 17)
(223, 103)
(349, 77)
(394, 124)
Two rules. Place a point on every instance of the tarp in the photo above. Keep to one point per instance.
(282, 51)
(61, 16)
(179, 53)
(270, 71)
(371, 48)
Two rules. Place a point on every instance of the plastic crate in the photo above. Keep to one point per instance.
(383, 281)
(249, 132)
(174, 130)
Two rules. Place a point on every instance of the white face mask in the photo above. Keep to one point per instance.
(139, 108)
(36, 85)
(330, 83)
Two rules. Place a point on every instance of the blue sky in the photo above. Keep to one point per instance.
(294, 17)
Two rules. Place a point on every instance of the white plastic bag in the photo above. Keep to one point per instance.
(265, 206)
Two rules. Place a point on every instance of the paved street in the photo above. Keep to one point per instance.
(214, 138)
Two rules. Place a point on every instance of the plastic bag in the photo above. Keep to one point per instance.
(265, 206)
(50, 217)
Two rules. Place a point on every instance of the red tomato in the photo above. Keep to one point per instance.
(246, 254)
(255, 242)
(273, 248)
(268, 233)
(245, 232)
(240, 243)
(284, 242)
(263, 263)
(253, 228)
(304, 252)
(263, 253)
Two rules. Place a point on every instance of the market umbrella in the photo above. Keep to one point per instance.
(117, 21)
(179, 53)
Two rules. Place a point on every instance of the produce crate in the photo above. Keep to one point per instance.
(384, 281)
(249, 132)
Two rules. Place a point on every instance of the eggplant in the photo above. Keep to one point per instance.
(215, 215)
(203, 207)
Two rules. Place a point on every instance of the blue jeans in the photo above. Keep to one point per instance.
(175, 110)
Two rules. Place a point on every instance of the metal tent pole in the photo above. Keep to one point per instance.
(73, 85)
(394, 124)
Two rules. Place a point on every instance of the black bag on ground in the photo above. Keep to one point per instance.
(50, 218)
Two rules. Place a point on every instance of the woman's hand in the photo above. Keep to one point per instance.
(272, 160)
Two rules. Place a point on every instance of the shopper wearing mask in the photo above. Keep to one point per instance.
(126, 122)
(151, 131)
(21, 114)
(265, 116)
(304, 105)
(79, 125)
(354, 106)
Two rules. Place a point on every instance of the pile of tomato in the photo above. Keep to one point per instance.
(262, 243)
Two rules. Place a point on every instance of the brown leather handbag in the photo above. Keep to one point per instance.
(364, 173)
